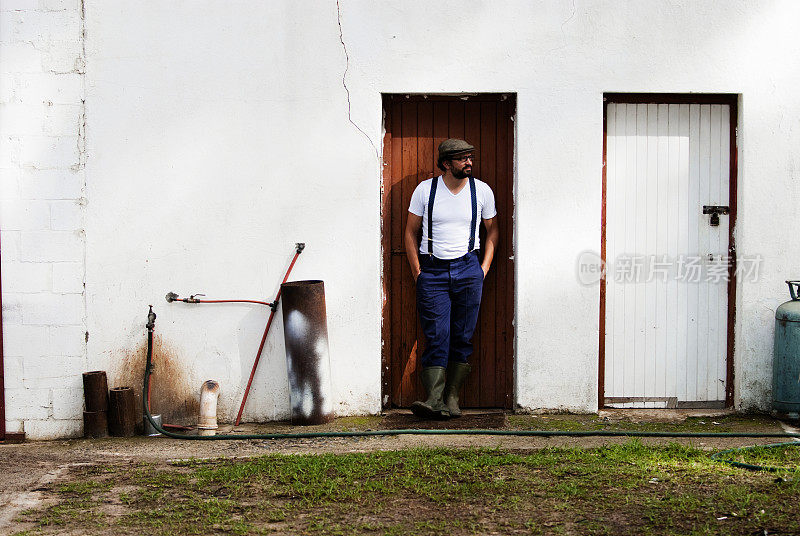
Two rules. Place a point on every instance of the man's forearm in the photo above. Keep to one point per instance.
(492, 238)
(412, 248)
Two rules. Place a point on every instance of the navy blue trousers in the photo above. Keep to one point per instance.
(448, 300)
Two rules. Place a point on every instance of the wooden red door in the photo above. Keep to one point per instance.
(415, 125)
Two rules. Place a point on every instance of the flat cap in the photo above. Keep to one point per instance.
(452, 147)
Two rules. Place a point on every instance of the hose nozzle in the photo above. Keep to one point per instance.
(171, 297)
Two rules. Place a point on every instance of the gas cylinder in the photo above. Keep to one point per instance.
(786, 357)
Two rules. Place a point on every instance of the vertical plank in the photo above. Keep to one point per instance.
(488, 355)
(715, 331)
(425, 148)
(695, 220)
(640, 249)
(472, 133)
(630, 250)
(610, 234)
(507, 236)
(682, 228)
(653, 203)
(672, 248)
(440, 129)
(500, 263)
(395, 284)
(411, 385)
(456, 125)
(703, 244)
(386, 257)
(619, 248)
(424, 171)
(661, 245)
(722, 322)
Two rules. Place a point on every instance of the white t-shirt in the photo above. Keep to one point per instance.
(452, 215)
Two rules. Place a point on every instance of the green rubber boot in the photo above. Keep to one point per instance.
(456, 375)
(432, 408)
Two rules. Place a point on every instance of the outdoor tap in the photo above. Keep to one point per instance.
(171, 297)
(300, 246)
(151, 319)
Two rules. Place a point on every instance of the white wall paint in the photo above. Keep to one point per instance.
(218, 136)
(41, 215)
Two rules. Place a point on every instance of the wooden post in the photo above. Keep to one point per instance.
(122, 412)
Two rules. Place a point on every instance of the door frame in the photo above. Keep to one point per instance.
(732, 100)
(386, 376)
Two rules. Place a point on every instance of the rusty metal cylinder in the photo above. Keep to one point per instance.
(95, 424)
(122, 412)
(95, 390)
(305, 329)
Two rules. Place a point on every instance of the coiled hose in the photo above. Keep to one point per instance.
(525, 433)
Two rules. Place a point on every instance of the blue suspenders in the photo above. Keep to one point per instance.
(473, 195)
(430, 215)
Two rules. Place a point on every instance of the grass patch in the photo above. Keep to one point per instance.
(722, 424)
(628, 488)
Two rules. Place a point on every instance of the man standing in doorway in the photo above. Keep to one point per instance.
(448, 273)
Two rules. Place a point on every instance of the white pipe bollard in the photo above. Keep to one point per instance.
(209, 393)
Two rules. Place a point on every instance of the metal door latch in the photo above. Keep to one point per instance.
(715, 211)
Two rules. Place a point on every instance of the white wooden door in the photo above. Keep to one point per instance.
(666, 309)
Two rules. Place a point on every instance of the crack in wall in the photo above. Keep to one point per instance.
(344, 81)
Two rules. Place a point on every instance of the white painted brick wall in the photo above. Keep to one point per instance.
(41, 225)
(46, 308)
(65, 215)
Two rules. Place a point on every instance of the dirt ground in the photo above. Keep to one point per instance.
(28, 467)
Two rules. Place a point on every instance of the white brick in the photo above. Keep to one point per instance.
(28, 276)
(49, 309)
(20, 58)
(18, 5)
(8, 27)
(13, 371)
(68, 278)
(49, 151)
(67, 341)
(40, 429)
(67, 404)
(28, 215)
(39, 88)
(12, 308)
(60, 5)
(56, 246)
(28, 404)
(11, 247)
(14, 426)
(71, 381)
(43, 27)
(60, 368)
(10, 184)
(9, 152)
(20, 119)
(6, 88)
(62, 119)
(28, 341)
(65, 216)
(64, 57)
(51, 184)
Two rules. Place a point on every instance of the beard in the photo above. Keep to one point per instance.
(462, 173)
